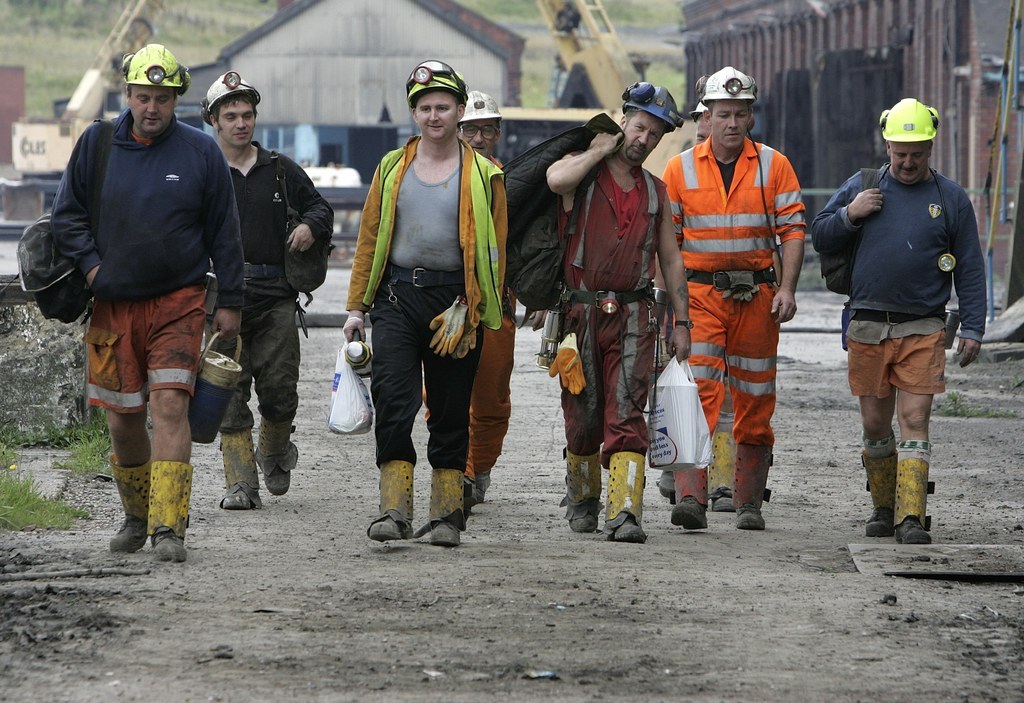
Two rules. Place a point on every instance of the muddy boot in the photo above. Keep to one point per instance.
(395, 521)
(468, 495)
(911, 501)
(752, 464)
(667, 486)
(691, 487)
(625, 498)
(882, 484)
(723, 465)
(481, 482)
(276, 455)
(240, 474)
(582, 491)
(447, 518)
(133, 486)
(168, 508)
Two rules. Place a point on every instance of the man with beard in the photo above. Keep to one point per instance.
(266, 183)
(622, 227)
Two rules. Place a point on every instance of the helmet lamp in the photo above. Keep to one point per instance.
(232, 80)
(156, 74)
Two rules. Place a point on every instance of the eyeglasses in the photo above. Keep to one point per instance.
(470, 130)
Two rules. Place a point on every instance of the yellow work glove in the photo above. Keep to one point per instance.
(568, 366)
(449, 327)
(466, 344)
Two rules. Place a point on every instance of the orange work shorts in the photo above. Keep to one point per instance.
(916, 363)
(136, 346)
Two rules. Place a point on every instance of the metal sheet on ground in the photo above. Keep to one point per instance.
(954, 562)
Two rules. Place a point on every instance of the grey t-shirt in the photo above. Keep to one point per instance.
(427, 224)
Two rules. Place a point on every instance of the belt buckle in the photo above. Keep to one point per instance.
(721, 276)
(416, 274)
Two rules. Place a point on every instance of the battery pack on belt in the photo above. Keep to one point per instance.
(423, 278)
(721, 279)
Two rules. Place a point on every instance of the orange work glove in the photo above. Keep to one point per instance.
(449, 327)
(568, 366)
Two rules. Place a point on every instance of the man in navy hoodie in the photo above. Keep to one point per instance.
(166, 210)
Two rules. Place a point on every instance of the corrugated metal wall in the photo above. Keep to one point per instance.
(342, 61)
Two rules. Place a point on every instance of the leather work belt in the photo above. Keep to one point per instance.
(264, 271)
(594, 297)
(422, 278)
(722, 281)
(892, 318)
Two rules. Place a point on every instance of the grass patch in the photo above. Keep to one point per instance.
(21, 505)
(955, 404)
(89, 444)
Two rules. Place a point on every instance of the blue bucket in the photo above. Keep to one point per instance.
(215, 384)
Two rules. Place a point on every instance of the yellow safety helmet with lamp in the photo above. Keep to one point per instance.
(480, 106)
(435, 75)
(154, 64)
(909, 120)
(229, 85)
(729, 84)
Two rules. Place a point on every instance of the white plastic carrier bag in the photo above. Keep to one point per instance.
(350, 411)
(680, 438)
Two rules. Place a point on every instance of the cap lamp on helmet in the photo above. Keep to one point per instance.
(729, 84)
(228, 86)
(654, 100)
(435, 75)
(909, 121)
(154, 65)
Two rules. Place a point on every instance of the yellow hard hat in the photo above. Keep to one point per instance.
(153, 64)
(435, 75)
(909, 121)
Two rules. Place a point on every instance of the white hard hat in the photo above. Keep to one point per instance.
(480, 106)
(228, 84)
(698, 111)
(729, 84)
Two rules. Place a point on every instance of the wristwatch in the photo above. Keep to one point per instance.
(688, 324)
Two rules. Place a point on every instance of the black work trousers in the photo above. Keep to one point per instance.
(404, 364)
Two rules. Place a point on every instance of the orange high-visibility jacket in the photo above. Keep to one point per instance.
(730, 231)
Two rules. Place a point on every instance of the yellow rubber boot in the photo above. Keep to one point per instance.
(723, 465)
(133, 486)
(582, 491)
(395, 521)
(911, 501)
(625, 498)
(276, 455)
(240, 475)
(169, 494)
(882, 484)
(447, 518)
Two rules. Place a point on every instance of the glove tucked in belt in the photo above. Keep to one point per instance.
(739, 284)
(568, 366)
(452, 334)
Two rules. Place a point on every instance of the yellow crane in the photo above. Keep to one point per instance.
(44, 147)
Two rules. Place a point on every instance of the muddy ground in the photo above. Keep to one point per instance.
(293, 602)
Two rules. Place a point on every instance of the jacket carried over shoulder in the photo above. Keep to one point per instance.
(168, 209)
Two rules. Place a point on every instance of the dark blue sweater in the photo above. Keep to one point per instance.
(167, 210)
(896, 266)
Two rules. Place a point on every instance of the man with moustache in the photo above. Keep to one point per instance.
(270, 339)
(605, 360)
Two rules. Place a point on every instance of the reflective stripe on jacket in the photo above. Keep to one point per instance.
(483, 227)
(733, 231)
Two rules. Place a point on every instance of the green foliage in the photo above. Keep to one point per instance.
(22, 505)
(89, 444)
(955, 404)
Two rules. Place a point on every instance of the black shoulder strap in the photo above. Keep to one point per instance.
(282, 183)
(99, 171)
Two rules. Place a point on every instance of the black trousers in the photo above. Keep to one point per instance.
(404, 364)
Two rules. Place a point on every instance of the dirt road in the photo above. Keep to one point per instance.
(295, 603)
